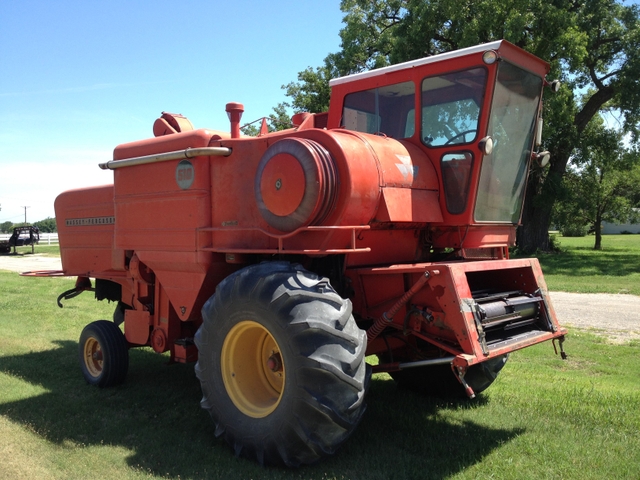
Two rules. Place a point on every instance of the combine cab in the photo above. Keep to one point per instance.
(279, 262)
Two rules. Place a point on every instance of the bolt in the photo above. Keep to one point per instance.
(278, 184)
(274, 363)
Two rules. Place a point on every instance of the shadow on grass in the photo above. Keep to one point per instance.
(156, 415)
(579, 264)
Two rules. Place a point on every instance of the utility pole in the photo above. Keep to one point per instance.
(25, 213)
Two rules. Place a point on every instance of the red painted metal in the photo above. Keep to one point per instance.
(387, 317)
(375, 207)
(235, 111)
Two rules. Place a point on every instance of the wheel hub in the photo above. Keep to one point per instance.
(252, 368)
(275, 363)
(93, 358)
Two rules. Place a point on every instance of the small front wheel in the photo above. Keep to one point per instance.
(439, 380)
(104, 355)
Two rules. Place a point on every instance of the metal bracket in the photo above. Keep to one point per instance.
(69, 294)
(460, 372)
(563, 355)
(482, 337)
(547, 312)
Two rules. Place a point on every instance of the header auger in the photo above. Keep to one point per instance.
(279, 262)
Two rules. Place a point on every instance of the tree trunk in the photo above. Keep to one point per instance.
(542, 191)
(598, 226)
(533, 234)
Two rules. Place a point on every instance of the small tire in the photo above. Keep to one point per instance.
(104, 355)
(482, 375)
(282, 364)
(439, 380)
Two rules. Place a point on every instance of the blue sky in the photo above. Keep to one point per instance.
(78, 78)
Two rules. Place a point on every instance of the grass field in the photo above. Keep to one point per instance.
(543, 417)
(46, 250)
(579, 268)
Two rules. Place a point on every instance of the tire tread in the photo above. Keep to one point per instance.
(329, 346)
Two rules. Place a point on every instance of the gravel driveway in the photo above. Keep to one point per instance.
(616, 317)
(29, 263)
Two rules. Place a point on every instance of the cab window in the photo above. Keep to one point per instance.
(383, 110)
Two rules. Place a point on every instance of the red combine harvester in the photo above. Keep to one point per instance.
(278, 262)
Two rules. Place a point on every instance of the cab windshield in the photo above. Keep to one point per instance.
(513, 116)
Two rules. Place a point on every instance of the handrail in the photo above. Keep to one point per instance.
(281, 237)
(165, 157)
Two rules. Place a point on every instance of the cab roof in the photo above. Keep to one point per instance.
(501, 46)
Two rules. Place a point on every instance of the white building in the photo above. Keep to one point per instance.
(614, 229)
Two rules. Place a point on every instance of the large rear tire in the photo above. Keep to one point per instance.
(439, 380)
(104, 355)
(281, 363)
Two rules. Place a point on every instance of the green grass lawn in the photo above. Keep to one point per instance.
(579, 268)
(542, 418)
(40, 249)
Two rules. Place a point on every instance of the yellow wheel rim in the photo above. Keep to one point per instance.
(252, 369)
(93, 357)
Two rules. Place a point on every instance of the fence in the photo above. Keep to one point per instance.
(48, 239)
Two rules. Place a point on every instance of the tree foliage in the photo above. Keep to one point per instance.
(48, 225)
(6, 227)
(591, 46)
(311, 93)
(601, 183)
(276, 121)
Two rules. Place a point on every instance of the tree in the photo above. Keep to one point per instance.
(312, 92)
(6, 227)
(601, 181)
(591, 46)
(48, 225)
(276, 121)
